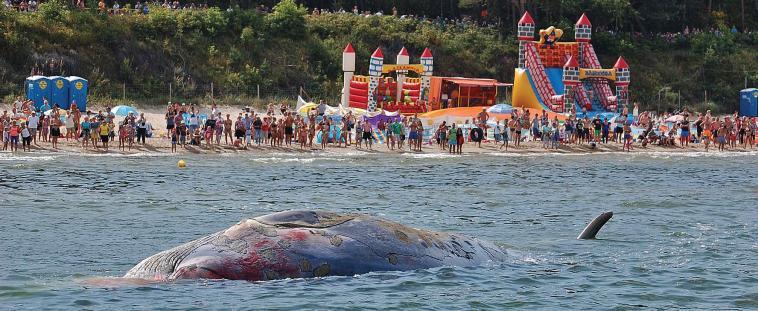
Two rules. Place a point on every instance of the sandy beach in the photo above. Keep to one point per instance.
(160, 143)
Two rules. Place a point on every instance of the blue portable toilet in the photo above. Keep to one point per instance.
(749, 102)
(78, 92)
(59, 92)
(38, 88)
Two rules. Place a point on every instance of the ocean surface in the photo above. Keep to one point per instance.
(684, 234)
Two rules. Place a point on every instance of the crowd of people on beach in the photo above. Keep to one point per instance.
(188, 125)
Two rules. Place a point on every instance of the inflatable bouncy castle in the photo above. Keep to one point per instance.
(566, 76)
(379, 90)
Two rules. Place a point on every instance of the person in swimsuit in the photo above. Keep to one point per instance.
(122, 135)
(459, 140)
(324, 133)
(13, 132)
(684, 137)
(516, 133)
(85, 132)
(443, 135)
(55, 131)
(368, 134)
(288, 130)
(228, 129)
(358, 135)
(311, 129)
(627, 137)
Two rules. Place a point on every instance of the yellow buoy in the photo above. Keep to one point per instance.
(181, 164)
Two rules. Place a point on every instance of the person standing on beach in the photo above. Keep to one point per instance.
(504, 134)
(597, 126)
(104, 131)
(460, 140)
(13, 133)
(85, 132)
(358, 134)
(289, 121)
(350, 125)
(324, 133)
(142, 128)
(605, 129)
(33, 123)
(442, 130)
(452, 139)
(55, 131)
(627, 137)
(311, 129)
(368, 136)
(517, 133)
(258, 127)
(228, 129)
(684, 137)
(26, 138)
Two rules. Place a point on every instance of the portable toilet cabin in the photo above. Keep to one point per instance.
(59, 92)
(77, 92)
(37, 89)
(749, 102)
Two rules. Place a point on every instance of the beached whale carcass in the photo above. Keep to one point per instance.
(309, 243)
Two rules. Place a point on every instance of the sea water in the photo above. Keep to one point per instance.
(684, 234)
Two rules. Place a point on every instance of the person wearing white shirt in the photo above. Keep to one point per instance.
(33, 121)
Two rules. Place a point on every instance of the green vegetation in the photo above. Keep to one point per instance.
(242, 51)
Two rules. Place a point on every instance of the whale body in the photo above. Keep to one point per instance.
(310, 243)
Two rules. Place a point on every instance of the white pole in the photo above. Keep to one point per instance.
(170, 92)
(258, 87)
(211, 91)
(124, 88)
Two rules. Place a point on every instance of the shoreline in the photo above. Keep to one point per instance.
(162, 146)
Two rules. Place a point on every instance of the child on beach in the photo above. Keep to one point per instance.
(174, 139)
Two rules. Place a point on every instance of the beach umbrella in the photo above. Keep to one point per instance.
(122, 110)
(500, 108)
(675, 118)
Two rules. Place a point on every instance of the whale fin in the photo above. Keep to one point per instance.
(593, 227)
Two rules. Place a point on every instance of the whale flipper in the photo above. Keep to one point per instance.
(593, 227)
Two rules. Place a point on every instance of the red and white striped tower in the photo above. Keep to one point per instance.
(402, 59)
(375, 73)
(427, 60)
(570, 81)
(348, 68)
(525, 32)
(622, 83)
(583, 35)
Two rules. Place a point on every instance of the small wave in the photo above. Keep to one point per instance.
(27, 158)
(431, 155)
(698, 154)
(123, 155)
(270, 160)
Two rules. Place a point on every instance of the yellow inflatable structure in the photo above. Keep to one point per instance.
(523, 93)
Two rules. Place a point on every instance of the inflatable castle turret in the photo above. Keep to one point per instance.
(525, 33)
(583, 35)
(570, 81)
(622, 82)
(374, 72)
(402, 59)
(348, 67)
(565, 76)
(427, 60)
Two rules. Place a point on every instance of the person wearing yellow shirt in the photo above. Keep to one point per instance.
(104, 131)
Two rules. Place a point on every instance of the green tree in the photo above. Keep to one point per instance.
(288, 19)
